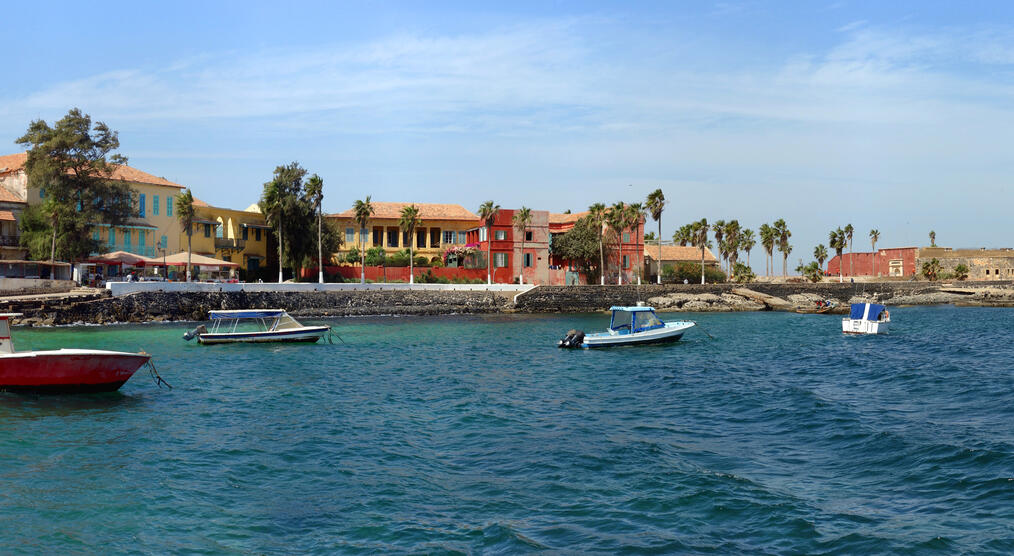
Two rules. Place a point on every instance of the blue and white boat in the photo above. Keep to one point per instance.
(629, 326)
(255, 325)
(866, 318)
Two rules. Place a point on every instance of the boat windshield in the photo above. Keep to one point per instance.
(621, 321)
(285, 322)
(646, 320)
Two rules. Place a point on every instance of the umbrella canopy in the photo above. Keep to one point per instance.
(180, 259)
(120, 258)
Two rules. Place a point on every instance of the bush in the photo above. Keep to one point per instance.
(742, 273)
(375, 256)
(429, 278)
(398, 259)
(811, 271)
(352, 257)
(691, 272)
(961, 272)
(421, 261)
(436, 262)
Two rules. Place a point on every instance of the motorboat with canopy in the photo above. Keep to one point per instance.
(629, 326)
(255, 325)
(63, 370)
(866, 318)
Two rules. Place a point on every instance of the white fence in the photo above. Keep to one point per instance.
(126, 288)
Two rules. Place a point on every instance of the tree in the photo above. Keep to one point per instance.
(874, 237)
(272, 206)
(73, 161)
(820, 253)
(185, 214)
(683, 236)
(836, 239)
(580, 244)
(656, 204)
(933, 238)
(742, 273)
(362, 211)
(408, 223)
(597, 213)
(718, 228)
(732, 239)
(700, 238)
(767, 237)
(812, 271)
(636, 213)
(849, 230)
(961, 272)
(522, 220)
(931, 269)
(747, 242)
(487, 213)
(783, 234)
(617, 219)
(315, 192)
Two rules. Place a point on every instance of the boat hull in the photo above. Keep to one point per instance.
(68, 370)
(861, 326)
(305, 334)
(672, 332)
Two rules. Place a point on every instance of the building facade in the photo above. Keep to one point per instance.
(11, 207)
(515, 252)
(905, 262)
(673, 255)
(441, 226)
(237, 236)
(624, 254)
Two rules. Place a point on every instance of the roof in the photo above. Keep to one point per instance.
(119, 257)
(7, 216)
(180, 259)
(866, 311)
(8, 196)
(14, 162)
(246, 314)
(566, 218)
(678, 253)
(427, 211)
(200, 203)
(637, 309)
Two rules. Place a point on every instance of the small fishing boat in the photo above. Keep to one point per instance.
(63, 370)
(255, 325)
(822, 307)
(629, 326)
(866, 318)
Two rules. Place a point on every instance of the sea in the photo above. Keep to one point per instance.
(758, 433)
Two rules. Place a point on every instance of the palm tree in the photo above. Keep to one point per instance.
(700, 239)
(362, 211)
(874, 237)
(315, 193)
(522, 220)
(185, 214)
(732, 233)
(933, 238)
(836, 239)
(783, 234)
(719, 230)
(820, 253)
(747, 242)
(848, 237)
(487, 213)
(272, 206)
(597, 213)
(656, 204)
(767, 237)
(683, 236)
(636, 213)
(409, 222)
(616, 217)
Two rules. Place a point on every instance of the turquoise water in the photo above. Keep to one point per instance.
(476, 434)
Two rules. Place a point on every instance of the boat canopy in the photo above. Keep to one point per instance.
(631, 309)
(247, 314)
(634, 319)
(867, 311)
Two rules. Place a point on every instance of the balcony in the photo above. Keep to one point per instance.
(143, 250)
(228, 243)
(10, 241)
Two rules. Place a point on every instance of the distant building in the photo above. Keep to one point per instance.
(897, 262)
(238, 236)
(154, 226)
(11, 206)
(441, 226)
(509, 261)
(982, 264)
(623, 258)
(672, 255)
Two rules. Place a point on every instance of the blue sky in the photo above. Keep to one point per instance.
(893, 115)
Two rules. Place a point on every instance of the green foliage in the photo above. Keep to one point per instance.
(960, 272)
(290, 206)
(691, 272)
(579, 245)
(352, 257)
(811, 272)
(375, 256)
(74, 161)
(931, 269)
(742, 273)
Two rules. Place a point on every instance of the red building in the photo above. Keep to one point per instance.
(516, 252)
(624, 256)
(899, 261)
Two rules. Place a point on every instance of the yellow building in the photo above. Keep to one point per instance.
(151, 232)
(440, 226)
(238, 236)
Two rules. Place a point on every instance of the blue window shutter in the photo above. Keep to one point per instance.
(154, 204)
(141, 205)
(168, 206)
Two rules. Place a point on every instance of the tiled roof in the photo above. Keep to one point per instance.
(566, 218)
(120, 172)
(8, 196)
(678, 253)
(200, 203)
(427, 211)
(7, 215)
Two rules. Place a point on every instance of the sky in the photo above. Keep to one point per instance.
(897, 116)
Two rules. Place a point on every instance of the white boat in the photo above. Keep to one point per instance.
(255, 325)
(629, 326)
(866, 318)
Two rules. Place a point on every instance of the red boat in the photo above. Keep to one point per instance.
(63, 370)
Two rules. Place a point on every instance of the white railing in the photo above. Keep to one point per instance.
(127, 288)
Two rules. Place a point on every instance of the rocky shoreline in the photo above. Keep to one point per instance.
(161, 306)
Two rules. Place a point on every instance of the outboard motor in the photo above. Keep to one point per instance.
(195, 333)
(573, 339)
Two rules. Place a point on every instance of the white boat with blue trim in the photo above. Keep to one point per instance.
(255, 325)
(866, 318)
(629, 326)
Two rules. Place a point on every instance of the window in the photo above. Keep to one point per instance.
(164, 242)
(227, 258)
(448, 237)
(154, 204)
(95, 234)
(246, 233)
(406, 239)
(350, 236)
(462, 238)
(140, 205)
(142, 240)
(126, 238)
(528, 236)
(378, 236)
(434, 237)
(528, 260)
(626, 261)
(420, 238)
(500, 235)
(112, 236)
(42, 193)
(168, 206)
(207, 230)
(257, 234)
(392, 237)
(219, 230)
(626, 238)
(499, 260)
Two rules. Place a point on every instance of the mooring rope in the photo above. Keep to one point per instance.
(698, 325)
(155, 376)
